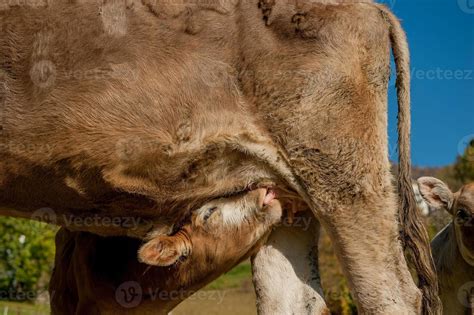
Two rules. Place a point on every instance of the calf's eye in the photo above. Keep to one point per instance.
(463, 215)
(209, 212)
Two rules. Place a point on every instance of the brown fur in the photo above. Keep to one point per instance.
(156, 111)
(453, 248)
(91, 271)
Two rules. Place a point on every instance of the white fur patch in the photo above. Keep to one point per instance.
(232, 215)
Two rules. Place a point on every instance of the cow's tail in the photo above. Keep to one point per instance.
(412, 231)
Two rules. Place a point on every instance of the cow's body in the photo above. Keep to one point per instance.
(453, 246)
(161, 150)
(151, 108)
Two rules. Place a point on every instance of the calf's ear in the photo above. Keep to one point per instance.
(436, 193)
(164, 250)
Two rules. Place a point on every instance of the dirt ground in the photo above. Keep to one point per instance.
(229, 302)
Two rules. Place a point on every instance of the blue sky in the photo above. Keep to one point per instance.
(441, 39)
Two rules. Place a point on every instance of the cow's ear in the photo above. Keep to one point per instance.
(164, 250)
(436, 193)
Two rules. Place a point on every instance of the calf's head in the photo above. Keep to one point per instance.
(219, 233)
(460, 205)
(216, 237)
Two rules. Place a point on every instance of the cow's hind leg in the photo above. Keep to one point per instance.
(331, 119)
(366, 237)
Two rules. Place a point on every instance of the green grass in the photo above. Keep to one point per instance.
(236, 278)
(16, 308)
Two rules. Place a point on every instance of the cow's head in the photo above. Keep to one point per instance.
(220, 233)
(460, 205)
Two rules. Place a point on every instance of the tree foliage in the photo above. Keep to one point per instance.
(464, 166)
(26, 258)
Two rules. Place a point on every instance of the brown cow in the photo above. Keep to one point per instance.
(150, 108)
(97, 275)
(453, 246)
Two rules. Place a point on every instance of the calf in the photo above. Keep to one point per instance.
(453, 247)
(97, 275)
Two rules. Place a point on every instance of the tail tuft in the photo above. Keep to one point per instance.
(413, 233)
